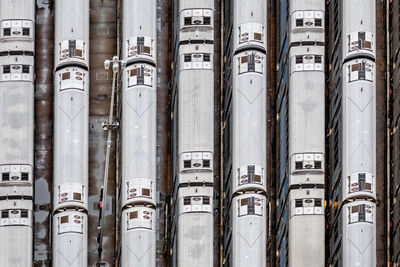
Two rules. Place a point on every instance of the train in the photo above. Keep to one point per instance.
(139, 134)
(248, 179)
(71, 133)
(306, 119)
(194, 180)
(17, 48)
(358, 195)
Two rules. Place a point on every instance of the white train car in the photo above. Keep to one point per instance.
(359, 134)
(71, 133)
(138, 233)
(249, 135)
(139, 133)
(70, 238)
(306, 133)
(16, 227)
(195, 156)
(17, 31)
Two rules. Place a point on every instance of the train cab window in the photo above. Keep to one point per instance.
(140, 45)
(7, 32)
(206, 163)
(299, 203)
(25, 69)
(186, 201)
(188, 20)
(251, 63)
(66, 76)
(4, 214)
(307, 161)
(64, 219)
(188, 57)
(359, 41)
(187, 163)
(360, 182)
(360, 71)
(5, 176)
(133, 215)
(16, 28)
(6, 69)
(307, 19)
(250, 174)
(77, 196)
(72, 49)
(25, 31)
(251, 32)
(250, 206)
(146, 192)
(360, 213)
(197, 17)
(299, 59)
(24, 213)
(24, 176)
(140, 75)
(308, 63)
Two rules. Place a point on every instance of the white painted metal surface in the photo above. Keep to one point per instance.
(195, 159)
(17, 18)
(139, 143)
(249, 135)
(71, 133)
(359, 134)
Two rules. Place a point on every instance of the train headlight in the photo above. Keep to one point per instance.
(107, 63)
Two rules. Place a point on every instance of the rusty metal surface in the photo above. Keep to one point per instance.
(103, 39)
(271, 149)
(43, 133)
(163, 126)
(217, 132)
(380, 135)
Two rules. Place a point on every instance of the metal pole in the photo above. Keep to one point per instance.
(388, 133)
(109, 127)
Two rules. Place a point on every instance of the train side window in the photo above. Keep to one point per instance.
(206, 200)
(318, 202)
(318, 22)
(299, 203)
(206, 163)
(299, 23)
(207, 21)
(77, 196)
